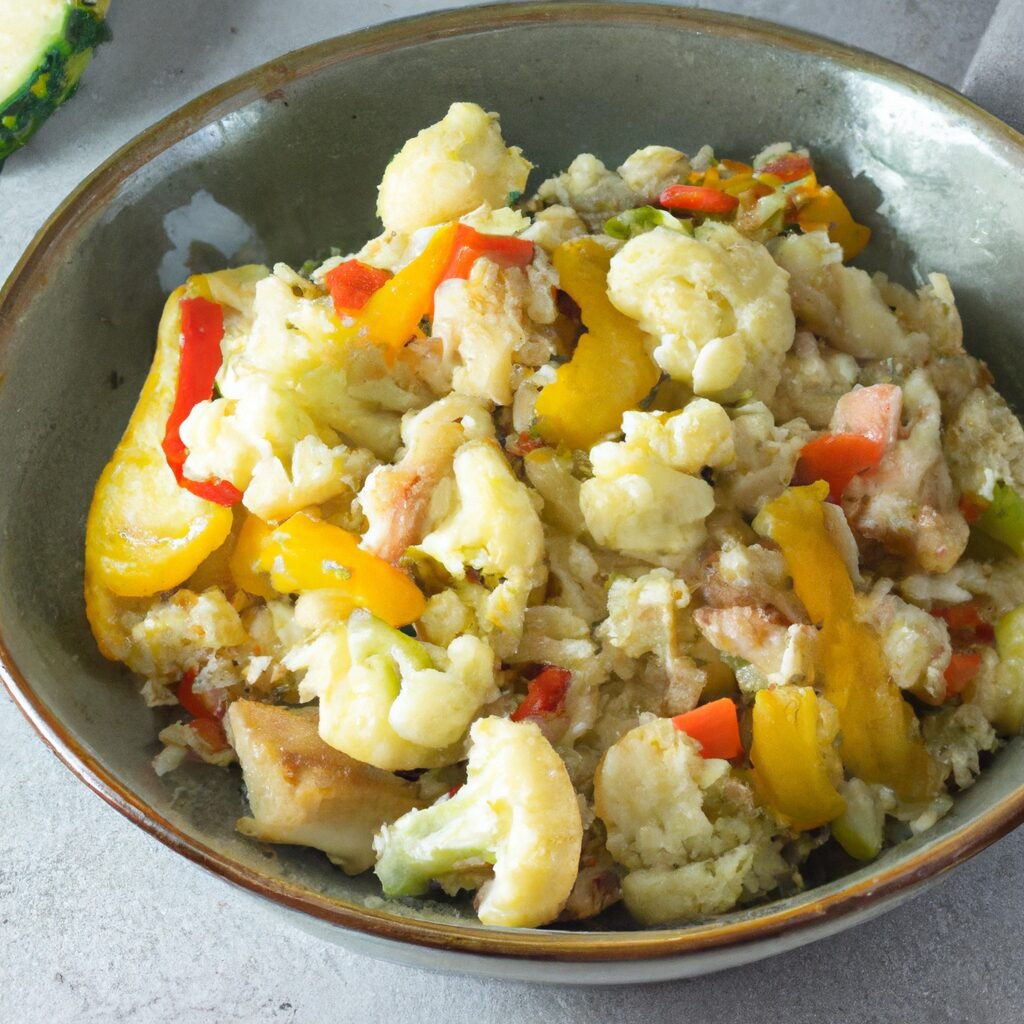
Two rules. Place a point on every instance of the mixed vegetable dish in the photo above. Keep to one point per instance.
(618, 543)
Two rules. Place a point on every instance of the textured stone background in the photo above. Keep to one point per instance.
(99, 923)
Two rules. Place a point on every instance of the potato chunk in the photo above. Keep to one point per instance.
(304, 793)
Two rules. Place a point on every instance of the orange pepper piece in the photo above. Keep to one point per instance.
(304, 553)
(880, 737)
(609, 372)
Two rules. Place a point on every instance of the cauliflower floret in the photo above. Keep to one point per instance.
(304, 793)
(637, 505)
(766, 457)
(915, 644)
(841, 304)
(449, 169)
(589, 188)
(649, 171)
(814, 378)
(554, 225)
(396, 498)
(550, 474)
(487, 520)
(699, 435)
(685, 827)
(513, 830)
(716, 304)
(317, 474)
(182, 632)
(391, 701)
(984, 443)
(956, 737)
(783, 654)
(645, 616)
(483, 323)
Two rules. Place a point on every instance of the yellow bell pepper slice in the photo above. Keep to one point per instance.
(144, 533)
(826, 211)
(788, 760)
(609, 372)
(304, 553)
(392, 314)
(246, 555)
(880, 737)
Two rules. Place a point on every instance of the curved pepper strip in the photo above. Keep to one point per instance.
(789, 765)
(145, 534)
(202, 328)
(609, 372)
(304, 553)
(395, 307)
(880, 738)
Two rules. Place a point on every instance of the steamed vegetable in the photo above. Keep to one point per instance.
(880, 737)
(302, 792)
(45, 46)
(513, 831)
(202, 329)
(304, 553)
(144, 533)
(392, 701)
(610, 370)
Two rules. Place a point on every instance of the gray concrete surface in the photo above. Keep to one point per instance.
(99, 923)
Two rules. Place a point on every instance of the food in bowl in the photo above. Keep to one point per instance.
(619, 543)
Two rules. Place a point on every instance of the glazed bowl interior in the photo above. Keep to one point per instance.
(282, 164)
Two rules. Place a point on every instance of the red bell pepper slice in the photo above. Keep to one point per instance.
(715, 727)
(962, 668)
(837, 459)
(697, 199)
(202, 328)
(352, 283)
(789, 167)
(470, 245)
(545, 694)
(965, 620)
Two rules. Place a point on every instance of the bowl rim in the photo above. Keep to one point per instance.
(849, 903)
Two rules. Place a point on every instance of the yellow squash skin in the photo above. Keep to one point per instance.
(145, 534)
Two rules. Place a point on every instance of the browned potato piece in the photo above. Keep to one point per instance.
(305, 793)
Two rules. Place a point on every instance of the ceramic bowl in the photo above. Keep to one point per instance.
(282, 164)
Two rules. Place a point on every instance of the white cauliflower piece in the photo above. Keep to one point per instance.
(646, 616)
(784, 654)
(915, 644)
(396, 498)
(449, 169)
(716, 304)
(182, 632)
(766, 457)
(317, 474)
(649, 171)
(841, 304)
(482, 321)
(637, 505)
(513, 830)
(589, 188)
(486, 520)
(814, 378)
(956, 737)
(389, 700)
(699, 435)
(984, 444)
(685, 827)
(554, 225)
(303, 792)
